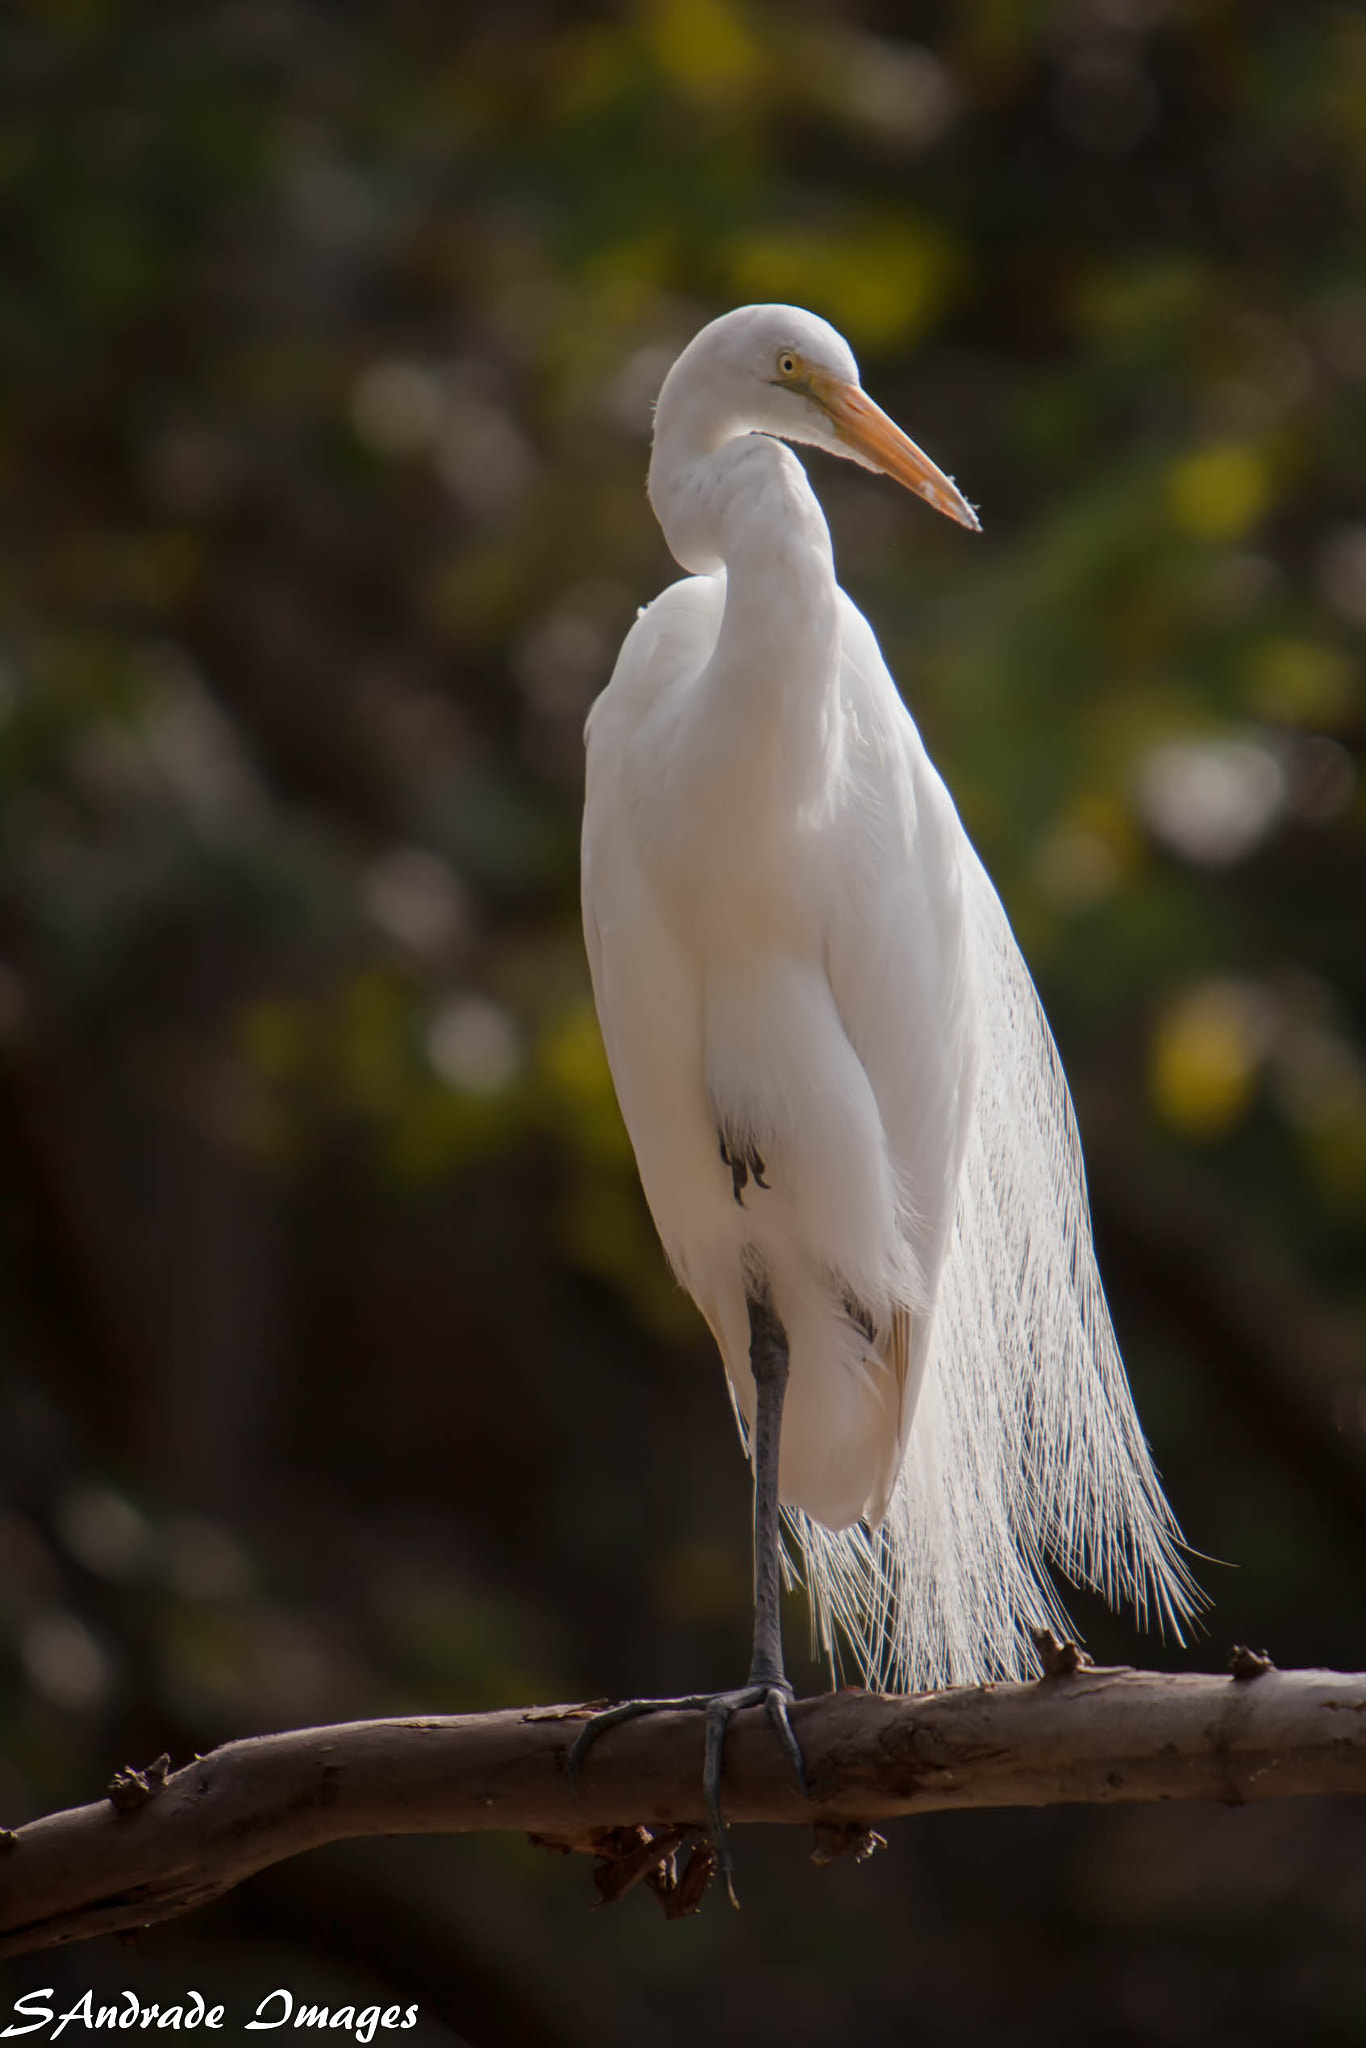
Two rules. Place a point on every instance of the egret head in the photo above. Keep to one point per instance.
(782, 371)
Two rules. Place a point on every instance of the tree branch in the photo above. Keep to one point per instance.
(163, 1844)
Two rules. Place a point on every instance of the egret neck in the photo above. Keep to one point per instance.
(745, 510)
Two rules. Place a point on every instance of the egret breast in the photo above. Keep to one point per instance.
(782, 1076)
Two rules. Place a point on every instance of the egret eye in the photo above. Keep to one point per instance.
(787, 363)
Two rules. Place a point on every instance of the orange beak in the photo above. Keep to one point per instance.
(879, 442)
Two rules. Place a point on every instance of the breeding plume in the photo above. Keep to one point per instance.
(847, 1110)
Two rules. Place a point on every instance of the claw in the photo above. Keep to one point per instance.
(719, 1711)
(718, 1708)
(776, 1703)
(627, 1710)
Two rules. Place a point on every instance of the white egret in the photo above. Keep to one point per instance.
(846, 1106)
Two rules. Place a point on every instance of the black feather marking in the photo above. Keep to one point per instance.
(859, 1315)
(745, 1164)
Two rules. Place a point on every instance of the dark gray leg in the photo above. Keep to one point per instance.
(767, 1685)
(768, 1362)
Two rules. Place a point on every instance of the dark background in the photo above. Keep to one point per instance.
(342, 1374)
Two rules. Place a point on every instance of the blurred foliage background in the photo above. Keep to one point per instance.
(342, 1373)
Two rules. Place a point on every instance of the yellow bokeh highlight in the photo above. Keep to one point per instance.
(1302, 682)
(472, 597)
(1143, 300)
(1205, 1057)
(573, 1063)
(370, 1047)
(276, 1034)
(1087, 854)
(703, 44)
(882, 281)
(1221, 492)
(592, 68)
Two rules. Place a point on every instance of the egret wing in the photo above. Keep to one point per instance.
(644, 986)
(896, 960)
(1025, 1445)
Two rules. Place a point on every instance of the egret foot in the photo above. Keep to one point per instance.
(775, 1696)
(766, 1686)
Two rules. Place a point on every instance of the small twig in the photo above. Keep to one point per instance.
(1245, 1664)
(845, 1838)
(129, 1789)
(630, 1856)
(688, 1893)
(1059, 1660)
(626, 1855)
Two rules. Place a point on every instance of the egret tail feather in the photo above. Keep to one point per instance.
(1027, 1448)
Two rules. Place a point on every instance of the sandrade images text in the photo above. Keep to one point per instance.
(278, 2008)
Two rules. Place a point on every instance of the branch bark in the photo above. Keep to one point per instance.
(166, 1843)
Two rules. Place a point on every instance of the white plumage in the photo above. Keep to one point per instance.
(839, 1084)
